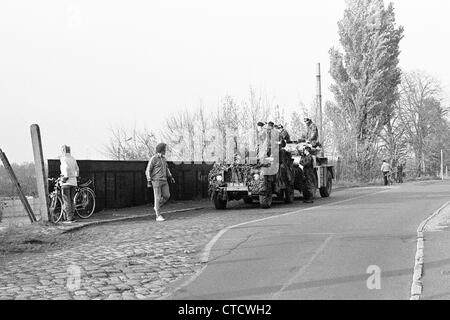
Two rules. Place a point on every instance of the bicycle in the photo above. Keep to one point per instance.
(83, 200)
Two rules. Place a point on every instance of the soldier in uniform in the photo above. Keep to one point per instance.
(284, 136)
(312, 133)
(308, 175)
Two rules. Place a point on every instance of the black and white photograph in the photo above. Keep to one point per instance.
(215, 158)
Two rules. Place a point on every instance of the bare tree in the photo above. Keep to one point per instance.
(421, 111)
(130, 144)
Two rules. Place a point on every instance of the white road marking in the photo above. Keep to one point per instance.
(319, 250)
(416, 286)
(206, 252)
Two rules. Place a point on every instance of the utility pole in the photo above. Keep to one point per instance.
(41, 177)
(319, 102)
(442, 164)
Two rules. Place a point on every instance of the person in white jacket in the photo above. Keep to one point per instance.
(69, 172)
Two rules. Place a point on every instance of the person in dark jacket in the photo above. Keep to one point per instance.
(308, 174)
(157, 174)
(284, 136)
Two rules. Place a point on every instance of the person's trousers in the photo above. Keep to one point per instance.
(385, 176)
(161, 194)
(68, 192)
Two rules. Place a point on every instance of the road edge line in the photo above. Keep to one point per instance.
(416, 285)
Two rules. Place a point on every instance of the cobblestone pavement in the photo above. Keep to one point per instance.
(123, 260)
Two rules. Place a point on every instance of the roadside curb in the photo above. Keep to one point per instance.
(133, 217)
(417, 286)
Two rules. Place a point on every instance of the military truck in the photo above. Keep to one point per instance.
(323, 171)
(275, 174)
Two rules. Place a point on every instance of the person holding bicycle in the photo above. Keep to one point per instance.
(386, 170)
(69, 173)
(157, 174)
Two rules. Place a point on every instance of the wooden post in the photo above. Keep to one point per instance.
(41, 177)
(442, 164)
(16, 183)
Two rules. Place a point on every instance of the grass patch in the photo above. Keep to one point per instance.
(30, 238)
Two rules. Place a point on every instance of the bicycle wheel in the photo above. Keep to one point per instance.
(56, 211)
(84, 203)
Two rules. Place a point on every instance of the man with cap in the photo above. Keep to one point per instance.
(157, 174)
(284, 135)
(69, 174)
(308, 174)
(312, 133)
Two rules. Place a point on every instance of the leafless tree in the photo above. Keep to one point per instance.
(132, 144)
(421, 112)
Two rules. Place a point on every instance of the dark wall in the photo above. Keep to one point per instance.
(120, 184)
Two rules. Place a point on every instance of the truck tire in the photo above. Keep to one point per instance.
(289, 194)
(265, 201)
(326, 191)
(219, 204)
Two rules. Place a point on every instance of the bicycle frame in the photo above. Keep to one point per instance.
(57, 193)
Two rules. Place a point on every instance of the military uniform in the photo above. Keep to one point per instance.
(309, 178)
(312, 133)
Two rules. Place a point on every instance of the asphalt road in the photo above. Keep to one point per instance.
(329, 250)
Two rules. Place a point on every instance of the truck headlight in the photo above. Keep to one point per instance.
(219, 178)
(256, 177)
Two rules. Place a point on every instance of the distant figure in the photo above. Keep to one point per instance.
(400, 173)
(385, 169)
(69, 173)
(157, 174)
(312, 134)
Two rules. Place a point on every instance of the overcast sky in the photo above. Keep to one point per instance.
(77, 68)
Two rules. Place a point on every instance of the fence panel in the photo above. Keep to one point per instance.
(120, 184)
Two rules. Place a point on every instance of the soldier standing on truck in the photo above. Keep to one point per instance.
(312, 134)
(284, 136)
(308, 174)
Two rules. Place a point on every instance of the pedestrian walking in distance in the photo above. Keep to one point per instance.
(385, 169)
(69, 173)
(158, 174)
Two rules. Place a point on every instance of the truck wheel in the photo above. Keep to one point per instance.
(326, 191)
(289, 194)
(265, 201)
(219, 204)
(248, 200)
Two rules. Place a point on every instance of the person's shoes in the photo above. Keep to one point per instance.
(160, 218)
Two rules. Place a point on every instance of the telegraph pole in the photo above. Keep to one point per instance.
(319, 103)
(442, 164)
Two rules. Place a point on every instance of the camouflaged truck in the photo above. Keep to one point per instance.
(274, 173)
